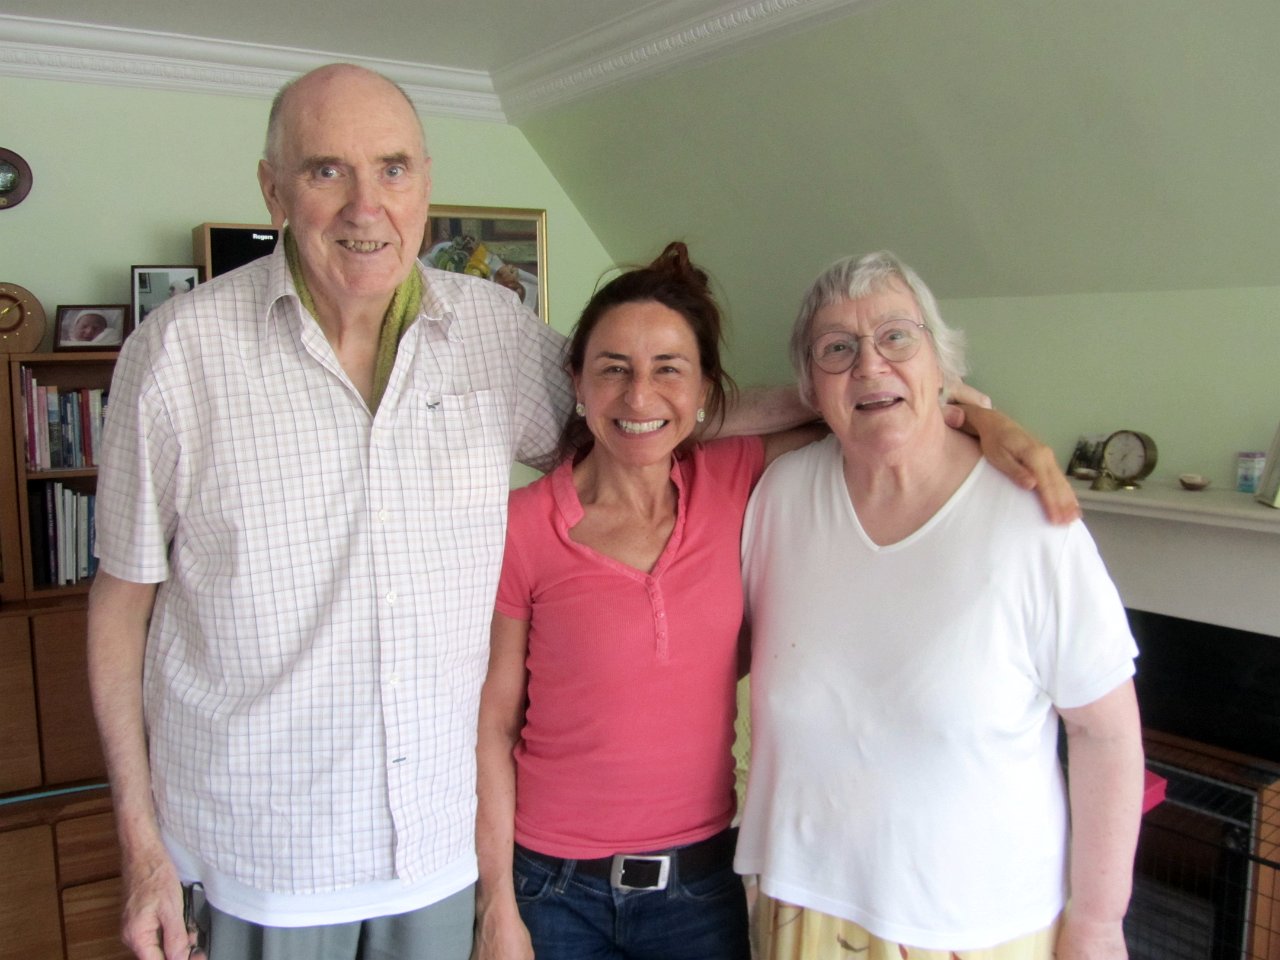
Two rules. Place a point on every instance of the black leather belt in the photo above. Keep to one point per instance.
(650, 871)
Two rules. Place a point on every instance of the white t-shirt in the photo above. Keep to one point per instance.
(904, 770)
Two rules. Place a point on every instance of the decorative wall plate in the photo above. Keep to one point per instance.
(15, 179)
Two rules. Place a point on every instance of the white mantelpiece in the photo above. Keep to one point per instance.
(1208, 555)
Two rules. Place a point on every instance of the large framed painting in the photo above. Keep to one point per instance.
(507, 245)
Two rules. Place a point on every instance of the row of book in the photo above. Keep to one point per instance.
(61, 534)
(64, 427)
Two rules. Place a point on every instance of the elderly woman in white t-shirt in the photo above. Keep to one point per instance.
(919, 629)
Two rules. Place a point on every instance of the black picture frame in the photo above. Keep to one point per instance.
(87, 326)
(151, 285)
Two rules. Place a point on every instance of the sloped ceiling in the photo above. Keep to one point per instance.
(1004, 147)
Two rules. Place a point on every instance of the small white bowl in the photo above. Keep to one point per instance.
(1193, 481)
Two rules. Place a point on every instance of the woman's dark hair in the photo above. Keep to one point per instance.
(678, 284)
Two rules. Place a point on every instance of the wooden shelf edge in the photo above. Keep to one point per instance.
(57, 356)
(45, 809)
(26, 606)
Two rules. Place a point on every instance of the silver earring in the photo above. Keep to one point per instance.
(702, 415)
(580, 410)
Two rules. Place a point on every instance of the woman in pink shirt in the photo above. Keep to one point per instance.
(606, 785)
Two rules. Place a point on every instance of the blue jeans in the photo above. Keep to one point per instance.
(575, 917)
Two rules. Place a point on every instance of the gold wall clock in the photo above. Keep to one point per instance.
(22, 319)
(15, 179)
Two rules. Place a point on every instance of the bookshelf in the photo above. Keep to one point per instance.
(60, 894)
(56, 475)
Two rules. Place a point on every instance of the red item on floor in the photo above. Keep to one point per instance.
(1153, 787)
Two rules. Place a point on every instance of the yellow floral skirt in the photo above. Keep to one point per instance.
(786, 932)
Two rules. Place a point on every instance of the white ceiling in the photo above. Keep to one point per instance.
(525, 55)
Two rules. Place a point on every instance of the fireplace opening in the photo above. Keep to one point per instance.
(1209, 683)
(1207, 875)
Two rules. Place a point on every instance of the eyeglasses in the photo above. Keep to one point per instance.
(895, 340)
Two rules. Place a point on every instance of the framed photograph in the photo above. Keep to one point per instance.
(507, 245)
(89, 327)
(152, 286)
(1086, 458)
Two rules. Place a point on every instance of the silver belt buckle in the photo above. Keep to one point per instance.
(618, 868)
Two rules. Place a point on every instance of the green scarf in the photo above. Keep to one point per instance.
(405, 304)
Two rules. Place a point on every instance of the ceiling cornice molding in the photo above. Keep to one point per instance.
(638, 45)
(55, 50)
(646, 43)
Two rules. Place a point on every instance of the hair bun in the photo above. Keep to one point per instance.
(674, 260)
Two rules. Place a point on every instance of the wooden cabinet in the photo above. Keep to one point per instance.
(89, 876)
(19, 734)
(59, 886)
(30, 925)
(91, 921)
(60, 892)
(68, 737)
(48, 739)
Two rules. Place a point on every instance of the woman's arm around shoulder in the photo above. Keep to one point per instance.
(761, 410)
(776, 444)
(500, 934)
(1024, 459)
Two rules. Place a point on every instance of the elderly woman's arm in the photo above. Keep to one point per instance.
(1104, 756)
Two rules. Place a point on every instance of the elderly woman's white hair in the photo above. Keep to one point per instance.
(852, 278)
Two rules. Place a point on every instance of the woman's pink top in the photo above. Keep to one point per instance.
(628, 734)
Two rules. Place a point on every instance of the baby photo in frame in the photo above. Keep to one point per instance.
(90, 327)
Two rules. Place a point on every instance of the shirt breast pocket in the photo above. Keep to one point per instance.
(461, 449)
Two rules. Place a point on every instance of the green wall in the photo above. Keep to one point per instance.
(1193, 368)
(121, 175)
(1090, 187)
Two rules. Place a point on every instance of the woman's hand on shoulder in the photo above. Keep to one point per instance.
(1024, 459)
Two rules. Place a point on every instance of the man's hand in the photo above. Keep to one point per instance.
(1024, 459)
(152, 925)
